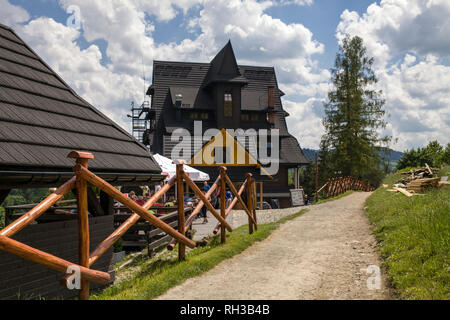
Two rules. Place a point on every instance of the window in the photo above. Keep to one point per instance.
(193, 115)
(198, 115)
(228, 105)
(246, 117)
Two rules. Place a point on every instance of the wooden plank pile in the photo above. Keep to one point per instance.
(422, 185)
(418, 181)
(418, 174)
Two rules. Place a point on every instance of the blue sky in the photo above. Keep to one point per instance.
(102, 60)
(321, 18)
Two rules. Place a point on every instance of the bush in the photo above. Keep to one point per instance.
(433, 154)
(14, 200)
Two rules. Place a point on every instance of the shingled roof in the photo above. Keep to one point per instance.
(42, 119)
(192, 81)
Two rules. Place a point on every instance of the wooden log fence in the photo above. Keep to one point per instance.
(83, 177)
(337, 186)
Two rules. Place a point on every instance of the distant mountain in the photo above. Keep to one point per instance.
(310, 155)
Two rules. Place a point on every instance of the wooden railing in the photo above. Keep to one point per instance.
(222, 181)
(86, 259)
(337, 186)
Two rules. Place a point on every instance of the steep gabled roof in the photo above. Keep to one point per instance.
(42, 119)
(224, 67)
(192, 80)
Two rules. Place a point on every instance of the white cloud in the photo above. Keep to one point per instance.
(305, 121)
(396, 26)
(127, 26)
(409, 41)
(416, 85)
(109, 91)
(11, 15)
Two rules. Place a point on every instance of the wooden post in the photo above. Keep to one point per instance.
(232, 205)
(26, 252)
(249, 201)
(37, 211)
(254, 206)
(116, 194)
(181, 214)
(317, 177)
(83, 219)
(261, 198)
(223, 235)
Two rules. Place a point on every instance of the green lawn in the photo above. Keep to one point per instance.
(156, 276)
(414, 236)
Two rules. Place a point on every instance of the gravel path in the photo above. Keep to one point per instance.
(323, 254)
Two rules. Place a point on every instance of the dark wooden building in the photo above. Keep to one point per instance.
(41, 120)
(223, 94)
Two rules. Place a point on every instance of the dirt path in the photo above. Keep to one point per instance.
(323, 254)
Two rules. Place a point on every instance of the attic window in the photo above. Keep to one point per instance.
(178, 97)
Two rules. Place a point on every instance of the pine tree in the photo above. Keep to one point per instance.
(353, 115)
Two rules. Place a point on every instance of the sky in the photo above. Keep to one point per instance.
(105, 50)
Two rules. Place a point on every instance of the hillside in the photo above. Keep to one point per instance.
(413, 235)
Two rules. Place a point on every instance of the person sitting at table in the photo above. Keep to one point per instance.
(171, 202)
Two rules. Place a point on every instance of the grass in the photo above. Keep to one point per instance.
(156, 276)
(414, 237)
(346, 193)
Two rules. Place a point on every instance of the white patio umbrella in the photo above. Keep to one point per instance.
(170, 169)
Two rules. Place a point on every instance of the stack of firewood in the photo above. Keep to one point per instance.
(422, 185)
(418, 174)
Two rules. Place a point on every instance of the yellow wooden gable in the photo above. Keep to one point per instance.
(233, 153)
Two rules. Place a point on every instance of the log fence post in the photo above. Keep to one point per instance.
(223, 186)
(181, 213)
(83, 219)
(249, 201)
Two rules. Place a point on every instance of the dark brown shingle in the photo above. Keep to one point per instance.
(42, 119)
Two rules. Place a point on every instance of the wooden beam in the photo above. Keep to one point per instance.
(48, 260)
(125, 226)
(208, 204)
(406, 193)
(181, 217)
(232, 205)
(116, 194)
(261, 198)
(223, 186)
(38, 210)
(429, 169)
(254, 205)
(83, 220)
(250, 203)
(195, 213)
(237, 195)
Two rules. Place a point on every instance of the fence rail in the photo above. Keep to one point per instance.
(337, 186)
(80, 181)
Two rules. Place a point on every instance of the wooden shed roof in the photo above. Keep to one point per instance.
(42, 119)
